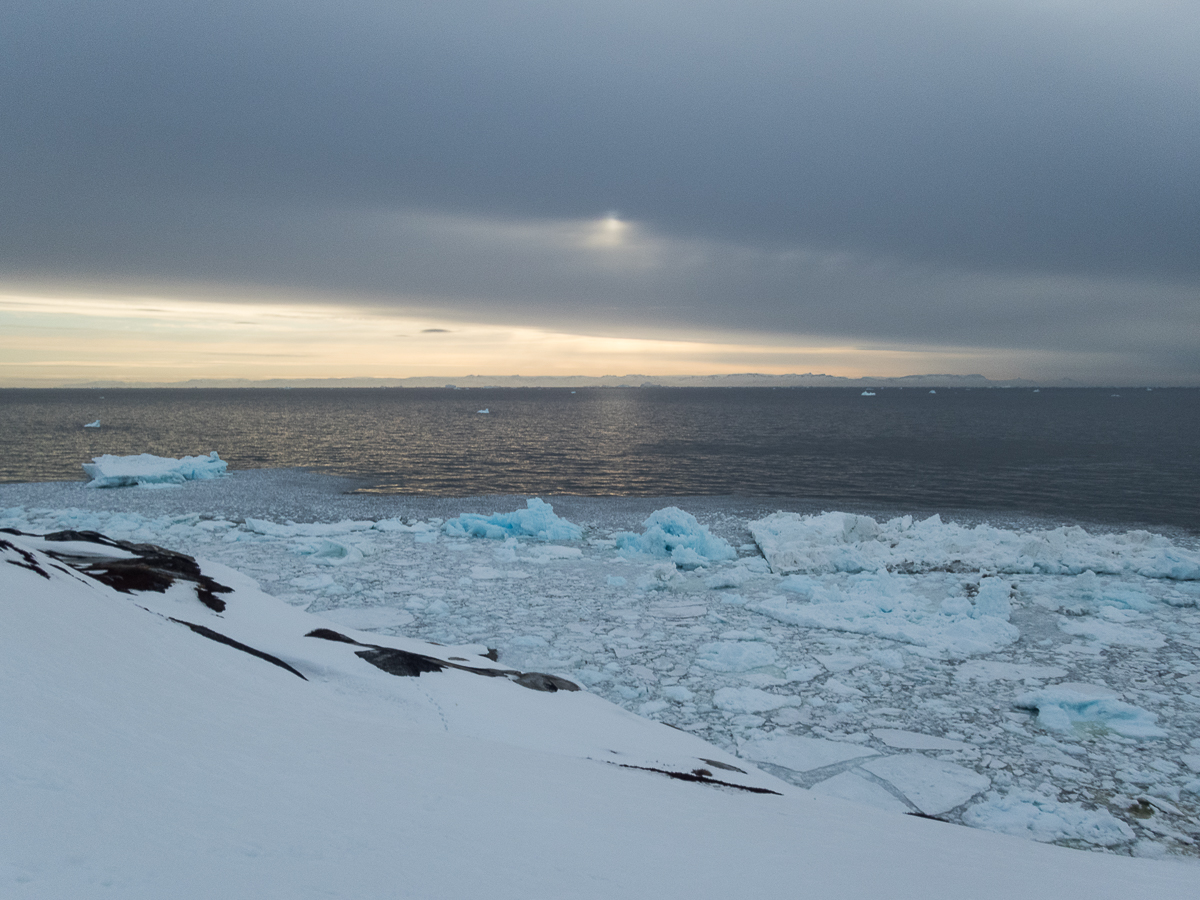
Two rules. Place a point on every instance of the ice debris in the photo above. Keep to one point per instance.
(145, 469)
(537, 521)
(1068, 708)
(1039, 817)
(676, 535)
(95, 424)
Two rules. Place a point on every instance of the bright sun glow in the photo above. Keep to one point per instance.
(608, 232)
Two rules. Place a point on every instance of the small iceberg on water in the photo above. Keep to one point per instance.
(145, 469)
(537, 520)
(483, 412)
(95, 424)
(867, 394)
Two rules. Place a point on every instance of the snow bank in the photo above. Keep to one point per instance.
(674, 534)
(122, 471)
(841, 542)
(537, 521)
(1041, 818)
(1069, 708)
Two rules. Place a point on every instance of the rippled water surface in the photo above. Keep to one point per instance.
(1099, 455)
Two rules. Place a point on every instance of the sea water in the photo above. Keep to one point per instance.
(1126, 457)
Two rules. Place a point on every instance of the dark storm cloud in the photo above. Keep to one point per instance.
(998, 173)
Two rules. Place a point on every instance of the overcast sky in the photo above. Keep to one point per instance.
(1006, 187)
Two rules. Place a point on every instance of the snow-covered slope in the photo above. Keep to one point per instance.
(155, 744)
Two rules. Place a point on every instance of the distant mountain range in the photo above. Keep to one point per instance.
(749, 379)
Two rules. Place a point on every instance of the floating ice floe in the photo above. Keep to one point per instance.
(145, 469)
(880, 605)
(912, 740)
(735, 656)
(1041, 818)
(537, 520)
(801, 754)
(1082, 707)
(95, 424)
(868, 394)
(934, 786)
(842, 542)
(853, 787)
(483, 412)
(674, 534)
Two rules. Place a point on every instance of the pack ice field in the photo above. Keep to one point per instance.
(1040, 682)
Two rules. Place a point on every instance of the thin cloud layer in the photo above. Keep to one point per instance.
(993, 175)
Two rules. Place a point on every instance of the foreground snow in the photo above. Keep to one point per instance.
(1042, 683)
(208, 740)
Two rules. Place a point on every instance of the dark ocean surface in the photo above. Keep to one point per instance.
(1123, 457)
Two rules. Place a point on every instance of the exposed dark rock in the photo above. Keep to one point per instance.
(155, 568)
(238, 645)
(399, 662)
(700, 779)
(328, 634)
(921, 815)
(540, 681)
(27, 560)
(409, 664)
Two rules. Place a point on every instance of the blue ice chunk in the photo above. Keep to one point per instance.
(537, 521)
(674, 534)
(1067, 709)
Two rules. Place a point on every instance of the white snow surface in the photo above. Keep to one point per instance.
(929, 661)
(145, 469)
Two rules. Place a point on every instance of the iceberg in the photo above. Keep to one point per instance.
(95, 424)
(674, 534)
(843, 542)
(145, 469)
(537, 520)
